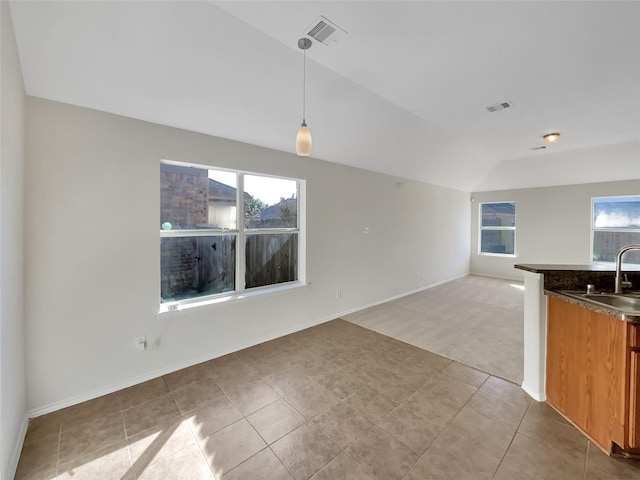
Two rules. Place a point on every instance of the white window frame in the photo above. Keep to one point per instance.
(494, 228)
(594, 229)
(240, 232)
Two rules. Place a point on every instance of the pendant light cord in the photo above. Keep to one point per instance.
(304, 86)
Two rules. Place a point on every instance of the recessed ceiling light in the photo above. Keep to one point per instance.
(550, 138)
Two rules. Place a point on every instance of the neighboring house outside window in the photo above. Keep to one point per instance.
(615, 223)
(497, 228)
(224, 232)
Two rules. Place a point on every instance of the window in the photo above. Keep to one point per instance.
(497, 228)
(226, 232)
(616, 223)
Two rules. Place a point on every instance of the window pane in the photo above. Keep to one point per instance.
(499, 214)
(498, 241)
(193, 198)
(607, 244)
(617, 212)
(271, 259)
(270, 202)
(193, 267)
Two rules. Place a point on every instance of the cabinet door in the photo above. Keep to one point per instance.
(587, 370)
(634, 401)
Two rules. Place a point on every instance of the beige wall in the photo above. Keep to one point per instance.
(92, 250)
(553, 224)
(12, 367)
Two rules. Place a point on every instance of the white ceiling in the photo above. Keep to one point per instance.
(403, 93)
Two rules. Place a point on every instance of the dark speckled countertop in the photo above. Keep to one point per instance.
(558, 278)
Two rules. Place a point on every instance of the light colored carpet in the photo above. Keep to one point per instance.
(474, 320)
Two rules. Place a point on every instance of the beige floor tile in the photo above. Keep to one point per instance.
(305, 451)
(229, 447)
(544, 412)
(43, 426)
(111, 463)
(472, 432)
(149, 414)
(465, 374)
(505, 390)
(187, 376)
(496, 408)
(193, 395)
(340, 383)
(381, 455)
(38, 459)
(442, 463)
(187, 464)
(530, 459)
(562, 437)
(275, 420)
(288, 381)
(618, 468)
(342, 467)
(160, 442)
(230, 374)
(342, 424)
(444, 386)
(211, 417)
(250, 397)
(311, 399)
(90, 437)
(85, 412)
(371, 403)
(137, 394)
(418, 422)
(430, 362)
(594, 474)
(262, 465)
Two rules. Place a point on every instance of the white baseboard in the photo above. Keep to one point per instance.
(537, 396)
(17, 448)
(52, 407)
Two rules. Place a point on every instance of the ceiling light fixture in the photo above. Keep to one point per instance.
(550, 138)
(303, 139)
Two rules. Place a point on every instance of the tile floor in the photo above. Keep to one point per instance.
(336, 401)
(474, 320)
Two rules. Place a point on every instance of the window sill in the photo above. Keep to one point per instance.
(485, 254)
(175, 308)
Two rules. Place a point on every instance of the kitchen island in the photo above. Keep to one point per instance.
(581, 356)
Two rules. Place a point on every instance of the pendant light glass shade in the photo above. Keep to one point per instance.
(303, 141)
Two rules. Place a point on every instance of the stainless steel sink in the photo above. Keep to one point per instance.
(626, 302)
(616, 300)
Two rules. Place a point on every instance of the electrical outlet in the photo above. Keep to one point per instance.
(156, 343)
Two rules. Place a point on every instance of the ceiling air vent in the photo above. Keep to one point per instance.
(498, 106)
(325, 31)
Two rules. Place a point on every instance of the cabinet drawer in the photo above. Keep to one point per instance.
(634, 336)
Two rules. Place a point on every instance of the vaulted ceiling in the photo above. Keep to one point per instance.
(404, 92)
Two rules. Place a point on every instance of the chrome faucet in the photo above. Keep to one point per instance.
(620, 284)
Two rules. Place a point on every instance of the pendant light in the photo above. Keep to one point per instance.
(303, 139)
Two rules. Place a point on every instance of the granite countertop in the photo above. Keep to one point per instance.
(549, 268)
(559, 278)
(595, 307)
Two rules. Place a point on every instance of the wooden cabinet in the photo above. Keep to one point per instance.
(593, 363)
(634, 400)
